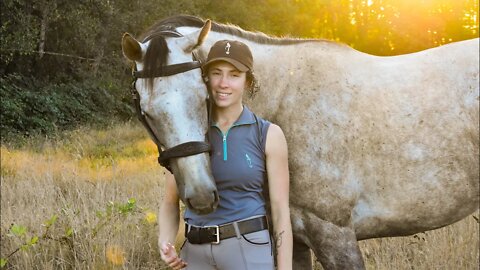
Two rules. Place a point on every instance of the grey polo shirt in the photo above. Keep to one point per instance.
(238, 166)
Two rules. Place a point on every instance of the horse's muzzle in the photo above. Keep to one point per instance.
(203, 205)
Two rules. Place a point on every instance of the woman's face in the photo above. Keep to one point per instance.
(227, 84)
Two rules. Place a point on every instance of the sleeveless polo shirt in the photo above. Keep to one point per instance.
(238, 167)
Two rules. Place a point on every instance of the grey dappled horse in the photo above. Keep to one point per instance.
(378, 146)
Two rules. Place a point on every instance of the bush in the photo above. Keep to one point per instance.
(29, 107)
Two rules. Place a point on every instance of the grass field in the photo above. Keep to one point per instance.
(88, 199)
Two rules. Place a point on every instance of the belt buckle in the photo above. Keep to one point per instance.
(217, 234)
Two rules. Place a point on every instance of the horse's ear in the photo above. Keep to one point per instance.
(131, 48)
(204, 32)
(196, 38)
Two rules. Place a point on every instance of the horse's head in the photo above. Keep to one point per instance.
(172, 105)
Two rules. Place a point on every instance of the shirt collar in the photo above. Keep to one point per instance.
(246, 117)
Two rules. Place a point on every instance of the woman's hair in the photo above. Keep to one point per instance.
(252, 84)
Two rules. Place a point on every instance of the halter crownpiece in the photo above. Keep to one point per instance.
(232, 51)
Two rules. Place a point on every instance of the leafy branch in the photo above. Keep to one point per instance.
(21, 232)
(112, 212)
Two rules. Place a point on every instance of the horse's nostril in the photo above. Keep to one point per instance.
(203, 206)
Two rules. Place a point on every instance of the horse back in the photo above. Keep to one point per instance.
(391, 142)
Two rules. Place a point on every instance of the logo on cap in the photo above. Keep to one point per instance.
(227, 48)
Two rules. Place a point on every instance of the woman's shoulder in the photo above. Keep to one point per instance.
(276, 142)
(274, 131)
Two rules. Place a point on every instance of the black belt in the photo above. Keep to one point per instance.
(214, 234)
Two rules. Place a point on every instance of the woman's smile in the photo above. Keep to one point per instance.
(223, 95)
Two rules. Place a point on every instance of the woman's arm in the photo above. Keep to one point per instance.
(168, 224)
(278, 184)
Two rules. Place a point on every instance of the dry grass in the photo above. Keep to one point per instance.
(76, 177)
(452, 247)
(80, 175)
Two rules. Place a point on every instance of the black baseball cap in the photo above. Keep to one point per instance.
(234, 52)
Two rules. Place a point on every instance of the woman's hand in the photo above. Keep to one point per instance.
(168, 224)
(170, 257)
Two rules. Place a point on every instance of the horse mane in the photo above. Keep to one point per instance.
(174, 22)
(157, 50)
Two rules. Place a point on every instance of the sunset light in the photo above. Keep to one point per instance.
(389, 24)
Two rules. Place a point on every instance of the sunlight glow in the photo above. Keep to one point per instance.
(470, 19)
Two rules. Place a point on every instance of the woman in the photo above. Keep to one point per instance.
(244, 147)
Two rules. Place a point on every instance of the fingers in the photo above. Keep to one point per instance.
(178, 264)
(170, 257)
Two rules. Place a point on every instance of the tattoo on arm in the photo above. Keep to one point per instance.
(278, 240)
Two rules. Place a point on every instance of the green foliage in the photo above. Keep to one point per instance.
(21, 232)
(48, 223)
(113, 211)
(128, 207)
(18, 230)
(19, 30)
(69, 232)
(55, 106)
(3, 262)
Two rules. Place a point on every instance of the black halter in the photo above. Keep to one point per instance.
(181, 150)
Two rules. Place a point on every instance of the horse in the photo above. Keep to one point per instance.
(378, 146)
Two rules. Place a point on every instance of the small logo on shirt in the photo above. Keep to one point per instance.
(249, 161)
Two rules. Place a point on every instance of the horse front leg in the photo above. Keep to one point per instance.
(302, 257)
(336, 247)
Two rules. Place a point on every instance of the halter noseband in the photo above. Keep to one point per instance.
(181, 150)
